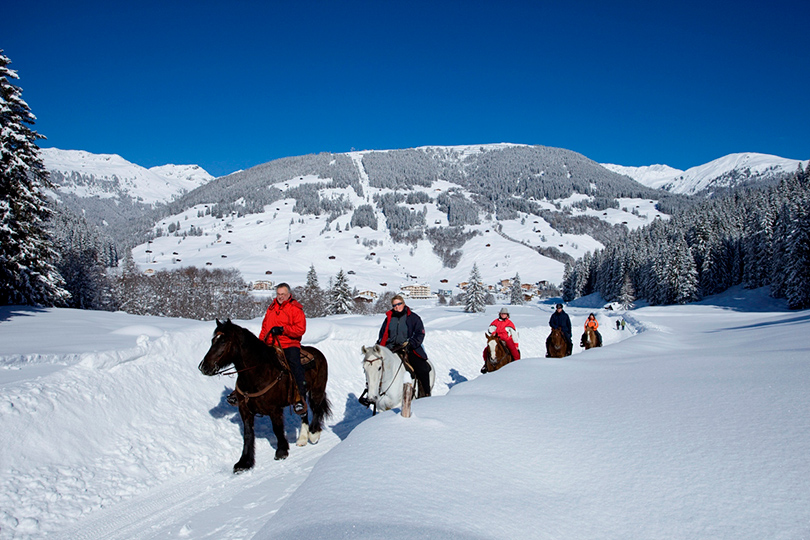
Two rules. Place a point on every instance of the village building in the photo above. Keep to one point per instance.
(417, 291)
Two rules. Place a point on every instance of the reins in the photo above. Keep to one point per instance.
(381, 358)
(261, 392)
(234, 371)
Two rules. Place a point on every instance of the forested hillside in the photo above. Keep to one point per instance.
(756, 237)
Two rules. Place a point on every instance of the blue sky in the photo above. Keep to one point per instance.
(230, 85)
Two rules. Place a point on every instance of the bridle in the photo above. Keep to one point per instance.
(224, 370)
(498, 343)
(380, 391)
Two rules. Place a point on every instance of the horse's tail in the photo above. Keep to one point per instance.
(321, 409)
(318, 400)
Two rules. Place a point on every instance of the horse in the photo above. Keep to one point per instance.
(499, 354)
(589, 339)
(385, 372)
(264, 385)
(556, 345)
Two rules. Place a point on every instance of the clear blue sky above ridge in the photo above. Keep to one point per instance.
(230, 85)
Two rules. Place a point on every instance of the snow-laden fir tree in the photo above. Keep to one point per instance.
(627, 295)
(311, 296)
(475, 295)
(340, 295)
(797, 282)
(27, 275)
(516, 291)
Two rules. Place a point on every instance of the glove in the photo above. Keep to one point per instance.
(277, 330)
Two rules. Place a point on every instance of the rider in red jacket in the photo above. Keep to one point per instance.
(593, 324)
(505, 329)
(286, 323)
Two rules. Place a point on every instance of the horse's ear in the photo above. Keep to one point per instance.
(377, 348)
(218, 323)
(228, 321)
(363, 348)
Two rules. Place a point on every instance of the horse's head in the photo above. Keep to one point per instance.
(492, 345)
(220, 355)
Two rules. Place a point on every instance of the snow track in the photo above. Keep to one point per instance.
(184, 506)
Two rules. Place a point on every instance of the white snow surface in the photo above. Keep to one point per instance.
(693, 422)
(110, 173)
(709, 174)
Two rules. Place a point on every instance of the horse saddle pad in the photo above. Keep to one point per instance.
(307, 359)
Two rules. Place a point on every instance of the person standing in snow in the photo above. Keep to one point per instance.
(560, 319)
(505, 329)
(285, 323)
(403, 329)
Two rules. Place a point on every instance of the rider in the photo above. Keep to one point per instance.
(403, 328)
(286, 323)
(593, 324)
(505, 329)
(559, 319)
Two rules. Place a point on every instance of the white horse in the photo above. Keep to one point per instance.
(385, 374)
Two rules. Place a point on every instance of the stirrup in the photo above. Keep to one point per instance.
(300, 408)
(232, 399)
(363, 400)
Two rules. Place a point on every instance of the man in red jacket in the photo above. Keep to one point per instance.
(286, 323)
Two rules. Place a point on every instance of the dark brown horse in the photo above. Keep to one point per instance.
(589, 339)
(496, 354)
(556, 345)
(265, 386)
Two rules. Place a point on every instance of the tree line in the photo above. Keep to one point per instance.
(751, 236)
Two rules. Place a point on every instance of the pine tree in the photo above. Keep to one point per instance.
(797, 282)
(311, 296)
(628, 293)
(312, 278)
(516, 292)
(475, 295)
(27, 275)
(340, 295)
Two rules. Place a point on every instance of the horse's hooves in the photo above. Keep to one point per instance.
(240, 468)
(314, 437)
(280, 456)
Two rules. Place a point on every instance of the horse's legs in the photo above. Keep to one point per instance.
(249, 439)
(303, 436)
(277, 419)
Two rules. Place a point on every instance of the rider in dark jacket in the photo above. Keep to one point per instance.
(403, 326)
(559, 319)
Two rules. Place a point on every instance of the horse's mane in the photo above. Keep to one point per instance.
(251, 343)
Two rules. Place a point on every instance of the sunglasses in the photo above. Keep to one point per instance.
(398, 304)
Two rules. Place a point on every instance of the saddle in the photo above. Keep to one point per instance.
(307, 362)
(306, 358)
(402, 352)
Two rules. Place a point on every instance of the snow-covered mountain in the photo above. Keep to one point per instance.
(726, 172)
(109, 176)
(315, 220)
(649, 175)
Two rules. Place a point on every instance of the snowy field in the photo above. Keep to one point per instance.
(694, 422)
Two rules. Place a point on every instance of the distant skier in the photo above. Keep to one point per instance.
(622, 324)
(617, 324)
